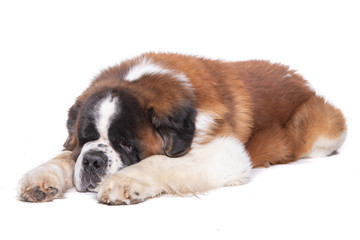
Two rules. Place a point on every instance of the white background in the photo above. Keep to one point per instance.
(50, 51)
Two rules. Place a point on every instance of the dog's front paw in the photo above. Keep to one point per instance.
(42, 184)
(120, 189)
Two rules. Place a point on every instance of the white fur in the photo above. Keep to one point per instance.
(222, 162)
(203, 125)
(324, 146)
(144, 67)
(106, 110)
(147, 67)
(47, 169)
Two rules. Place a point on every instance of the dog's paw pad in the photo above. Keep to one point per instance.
(41, 185)
(52, 191)
(38, 194)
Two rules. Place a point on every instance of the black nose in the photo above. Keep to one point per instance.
(94, 160)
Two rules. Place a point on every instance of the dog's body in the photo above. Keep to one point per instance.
(168, 123)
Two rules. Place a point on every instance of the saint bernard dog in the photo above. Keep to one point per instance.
(176, 124)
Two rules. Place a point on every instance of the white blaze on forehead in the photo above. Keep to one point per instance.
(147, 67)
(144, 67)
(107, 109)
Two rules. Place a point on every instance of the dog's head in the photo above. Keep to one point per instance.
(114, 128)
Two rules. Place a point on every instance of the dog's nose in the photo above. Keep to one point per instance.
(94, 160)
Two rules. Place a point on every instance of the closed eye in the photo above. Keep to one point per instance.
(125, 146)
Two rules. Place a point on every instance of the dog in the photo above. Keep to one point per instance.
(178, 124)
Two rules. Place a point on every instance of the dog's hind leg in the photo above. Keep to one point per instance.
(317, 128)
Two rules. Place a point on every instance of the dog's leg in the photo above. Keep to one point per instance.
(317, 128)
(48, 181)
(222, 162)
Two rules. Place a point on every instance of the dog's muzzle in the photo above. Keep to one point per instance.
(96, 160)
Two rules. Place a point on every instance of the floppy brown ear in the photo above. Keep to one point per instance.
(71, 141)
(177, 129)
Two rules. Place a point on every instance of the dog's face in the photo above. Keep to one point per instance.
(108, 131)
(112, 130)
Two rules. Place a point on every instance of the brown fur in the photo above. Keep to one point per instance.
(266, 106)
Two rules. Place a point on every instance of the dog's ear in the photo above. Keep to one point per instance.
(177, 129)
(71, 141)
